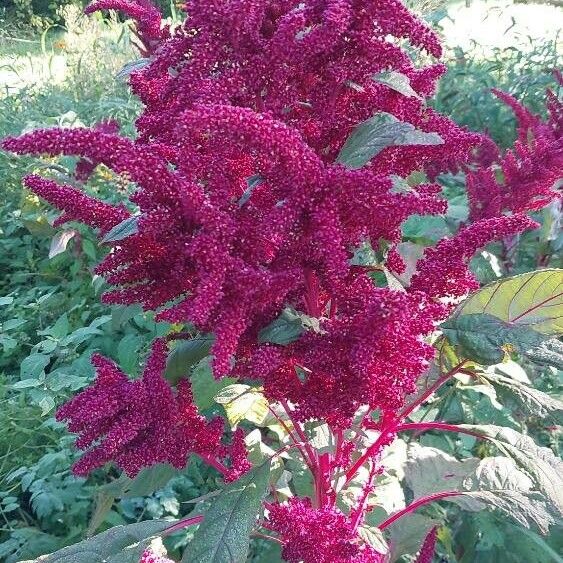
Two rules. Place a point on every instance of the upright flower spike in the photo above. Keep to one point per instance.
(426, 554)
(526, 177)
(76, 205)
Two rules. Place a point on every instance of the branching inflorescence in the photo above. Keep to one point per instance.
(242, 210)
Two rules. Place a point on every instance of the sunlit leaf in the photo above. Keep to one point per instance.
(117, 543)
(396, 81)
(60, 241)
(242, 402)
(533, 300)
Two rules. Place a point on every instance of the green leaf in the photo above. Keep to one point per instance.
(320, 437)
(430, 470)
(60, 241)
(377, 133)
(529, 399)
(150, 479)
(540, 463)
(102, 505)
(113, 542)
(487, 339)
(549, 353)
(251, 182)
(374, 538)
(513, 314)
(496, 482)
(242, 402)
(131, 67)
(121, 231)
(527, 509)
(224, 534)
(425, 228)
(283, 330)
(408, 533)
(33, 365)
(205, 387)
(396, 81)
(186, 354)
(533, 300)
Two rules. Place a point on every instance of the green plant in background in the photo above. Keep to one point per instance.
(465, 91)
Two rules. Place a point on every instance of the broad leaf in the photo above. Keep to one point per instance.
(205, 387)
(527, 398)
(487, 339)
(242, 402)
(288, 327)
(430, 470)
(126, 228)
(527, 509)
(396, 81)
(224, 534)
(377, 133)
(60, 241)
(513, 314)
(374, 538)
(540, 463)
(533, 300)
(150, 479)
(407, 534)
(548, 353)
(494, 481)
(320, 437)
(186, 354)
(116, 544)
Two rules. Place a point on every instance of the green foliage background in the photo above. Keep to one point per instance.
(51, 319)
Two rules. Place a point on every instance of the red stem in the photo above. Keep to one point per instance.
(267, 537)
(359, 512)
(436, 426)
(214, 463)
(388, 428)
(300, 445)
(431, 390)
(391, 425)
(301, 434)
(416, 504)
(183, 524)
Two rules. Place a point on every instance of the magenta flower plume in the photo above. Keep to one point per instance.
(147, 16)
(426, 553)
(526, 177)
(249, 216)
(76, 205)
(443, 273)
(321, 535)
(138, 423)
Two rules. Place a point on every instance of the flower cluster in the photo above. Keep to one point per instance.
(322, 535)
(243, 209)
(138, 423)
(526, 177)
